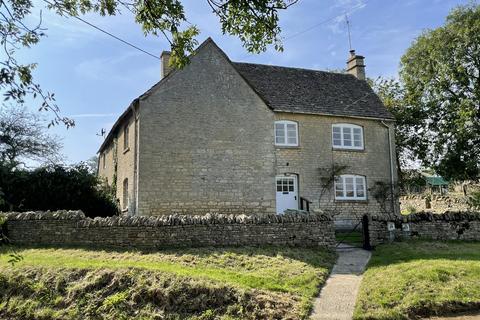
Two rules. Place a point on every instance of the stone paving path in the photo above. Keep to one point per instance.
(337, 298)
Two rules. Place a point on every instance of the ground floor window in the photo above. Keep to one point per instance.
(350, 187)
(125, 194)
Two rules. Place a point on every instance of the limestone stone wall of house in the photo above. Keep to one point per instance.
(105, 167)
(205, 142)
(73, 229)
(315, 156)
(125, 158)
(125, 163)
(452, 225)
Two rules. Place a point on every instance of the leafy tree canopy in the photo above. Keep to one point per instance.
(255, 22)
(440, 74)
(24, 136)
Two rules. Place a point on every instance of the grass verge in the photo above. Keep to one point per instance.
(413, 279)
(205, 283)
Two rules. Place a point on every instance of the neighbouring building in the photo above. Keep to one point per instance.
(230, 137)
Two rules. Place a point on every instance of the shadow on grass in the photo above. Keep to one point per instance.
(399, 252)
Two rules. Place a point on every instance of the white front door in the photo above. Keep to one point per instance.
(287, 193)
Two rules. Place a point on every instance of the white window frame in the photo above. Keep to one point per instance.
(355, 190)
(341, 126)
(285, 123)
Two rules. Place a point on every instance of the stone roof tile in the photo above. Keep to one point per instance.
(311, 91)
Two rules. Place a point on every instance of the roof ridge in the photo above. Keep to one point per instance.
(294, 68)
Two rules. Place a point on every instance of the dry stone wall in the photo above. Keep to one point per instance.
(448, 226)
(438, 203)
(72, 228)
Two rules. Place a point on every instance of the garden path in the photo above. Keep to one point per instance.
(337, 298)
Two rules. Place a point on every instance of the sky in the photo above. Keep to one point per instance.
(95, 77)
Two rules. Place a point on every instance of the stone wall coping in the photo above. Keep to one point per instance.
(429, 216)
(433, 197)
(45, 215)
(169, 220)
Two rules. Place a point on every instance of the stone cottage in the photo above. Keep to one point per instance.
(230, 137)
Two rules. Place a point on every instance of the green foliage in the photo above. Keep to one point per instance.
(409, 210)
(384, 193)
(12, 255)
(56, 188)
(413, 180)
(256, 23)
(328, 176)
(474, 199)
(392, 94)
(418, 279)
(201, 283)
(440, 74)
(3, 236)
(115, 300)
(24, 136)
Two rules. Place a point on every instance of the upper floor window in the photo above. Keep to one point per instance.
(125, 137)
(347, 136)
(104, 160)
(125, 197)
(350, 187)
(286, 133)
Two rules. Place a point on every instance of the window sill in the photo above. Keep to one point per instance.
(126, 150)
(287, 147)
(365, 201)
(348, 150)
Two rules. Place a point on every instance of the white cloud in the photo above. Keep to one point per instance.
(348, 8)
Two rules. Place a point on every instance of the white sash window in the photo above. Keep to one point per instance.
(347, 136)
(350, 187)
(286, 133)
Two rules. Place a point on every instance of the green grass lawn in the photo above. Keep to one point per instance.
(207, 283)
(354, 238)
(406, 280)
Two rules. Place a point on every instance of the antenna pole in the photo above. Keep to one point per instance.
(348, 28)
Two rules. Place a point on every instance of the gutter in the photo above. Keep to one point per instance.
(335, 115)
(392, 185)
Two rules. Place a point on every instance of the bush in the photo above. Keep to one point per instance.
(409, 210)
(474, 199)
(56, 188)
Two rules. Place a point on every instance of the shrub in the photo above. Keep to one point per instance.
(409, 210)
(474, 199)
(56, 188)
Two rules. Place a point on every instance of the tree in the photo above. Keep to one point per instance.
(392, 93)
(55, 187)
(23, 136)
(440, 72)
(254, 22)
(91, 164)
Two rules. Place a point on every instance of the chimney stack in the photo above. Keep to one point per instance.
(165, 61)
(356, 65)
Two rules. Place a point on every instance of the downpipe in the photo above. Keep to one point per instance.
(390, 151)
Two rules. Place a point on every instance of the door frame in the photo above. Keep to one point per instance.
(296, 185)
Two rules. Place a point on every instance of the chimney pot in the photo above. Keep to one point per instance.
(356, 65)
(165, 61)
